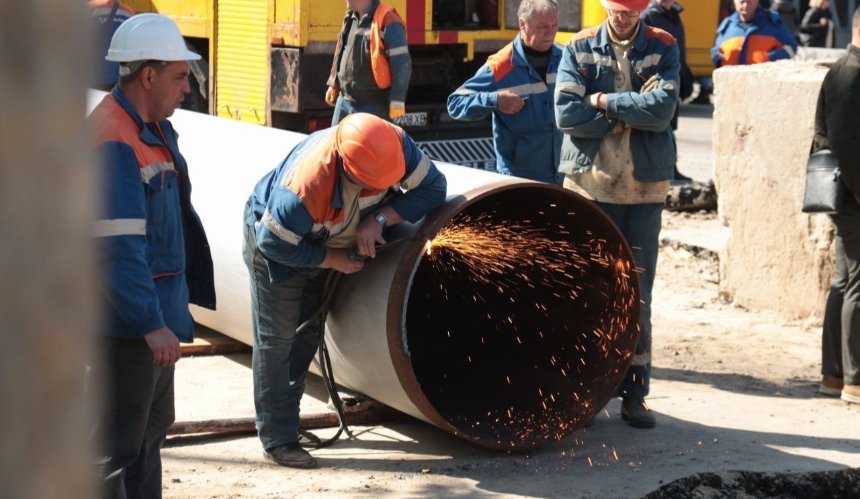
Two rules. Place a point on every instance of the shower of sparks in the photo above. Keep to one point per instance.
(505, 255)
(509, 257)
(491, 250)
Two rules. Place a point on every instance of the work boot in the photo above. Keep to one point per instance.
(636, 413)
(851, 393)
(830, 385)
(291, 455)
(680, 178)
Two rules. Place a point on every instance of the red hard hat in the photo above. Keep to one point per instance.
(637, 5)
(371, 149)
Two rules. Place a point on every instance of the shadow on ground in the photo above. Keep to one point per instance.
(741, 383)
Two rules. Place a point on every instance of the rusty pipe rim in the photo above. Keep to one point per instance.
(401, 288)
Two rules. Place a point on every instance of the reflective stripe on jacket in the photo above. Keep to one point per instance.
(380, 38)
(157, 258)
(527, 143)
(298, 206)
(383, 16)
(762, 40)
(586, 68)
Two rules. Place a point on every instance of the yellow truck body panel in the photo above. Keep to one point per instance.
(193, 16)
(701, 18)
(260, 51)
(242, 60)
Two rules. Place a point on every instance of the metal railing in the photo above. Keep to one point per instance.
(474, 153)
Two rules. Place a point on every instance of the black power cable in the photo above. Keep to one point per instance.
(325, 361)
(325, 366)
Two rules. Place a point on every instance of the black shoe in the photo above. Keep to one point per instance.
(637, 414)
(292, 455)
(681, 178)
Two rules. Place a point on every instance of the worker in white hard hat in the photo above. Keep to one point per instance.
(155, 257)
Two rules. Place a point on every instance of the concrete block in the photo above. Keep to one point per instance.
(775, 256)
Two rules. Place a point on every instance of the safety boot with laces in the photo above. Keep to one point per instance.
(636, 413)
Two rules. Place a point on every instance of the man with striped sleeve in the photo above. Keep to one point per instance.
(322, 209)
(371, 67)
(155, 252)
(615, 98)
(516, 87)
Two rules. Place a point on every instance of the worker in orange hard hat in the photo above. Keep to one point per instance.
(323, 208)
(625, 5)
(364, 145)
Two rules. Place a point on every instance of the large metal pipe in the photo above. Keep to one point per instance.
(505, 359)
(508, 348)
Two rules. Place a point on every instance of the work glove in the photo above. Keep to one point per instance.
(651, 84)
(396, 109)
(331, 96)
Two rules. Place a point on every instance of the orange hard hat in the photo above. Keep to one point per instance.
(637, 5)
(371, 149)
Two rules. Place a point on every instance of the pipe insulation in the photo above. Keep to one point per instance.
(506, 317)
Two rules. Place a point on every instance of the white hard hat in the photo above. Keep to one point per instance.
(148, 37)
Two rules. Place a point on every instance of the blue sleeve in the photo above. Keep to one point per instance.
(394, 36)
(573, 115)
(128, 283)
(476, 98)
(650, 110)
(716, 55)
(424, 186)
(282, 232)
(789, 44)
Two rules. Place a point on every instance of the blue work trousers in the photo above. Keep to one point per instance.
(840, 341)
(281, 356)
(139, 410)
(343, 107)
(640, 224)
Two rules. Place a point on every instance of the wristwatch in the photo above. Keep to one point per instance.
(380, 217)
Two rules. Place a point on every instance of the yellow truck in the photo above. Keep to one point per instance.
(267, 61)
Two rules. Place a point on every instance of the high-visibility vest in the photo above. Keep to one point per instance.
(384, 15)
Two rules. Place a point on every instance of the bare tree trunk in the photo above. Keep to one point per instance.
(48, 192)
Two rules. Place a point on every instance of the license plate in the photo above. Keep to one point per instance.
(412, 120)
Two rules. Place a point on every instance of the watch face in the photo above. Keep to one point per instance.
(380, 218)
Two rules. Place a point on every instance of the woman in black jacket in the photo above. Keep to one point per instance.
(817, 28)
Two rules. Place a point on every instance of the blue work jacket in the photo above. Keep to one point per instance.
(295, 218)
(764, 39)
(527, 143)
(587, 67)
(156, 258)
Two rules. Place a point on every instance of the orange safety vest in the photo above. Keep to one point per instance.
(384, 15)
(313, 178)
